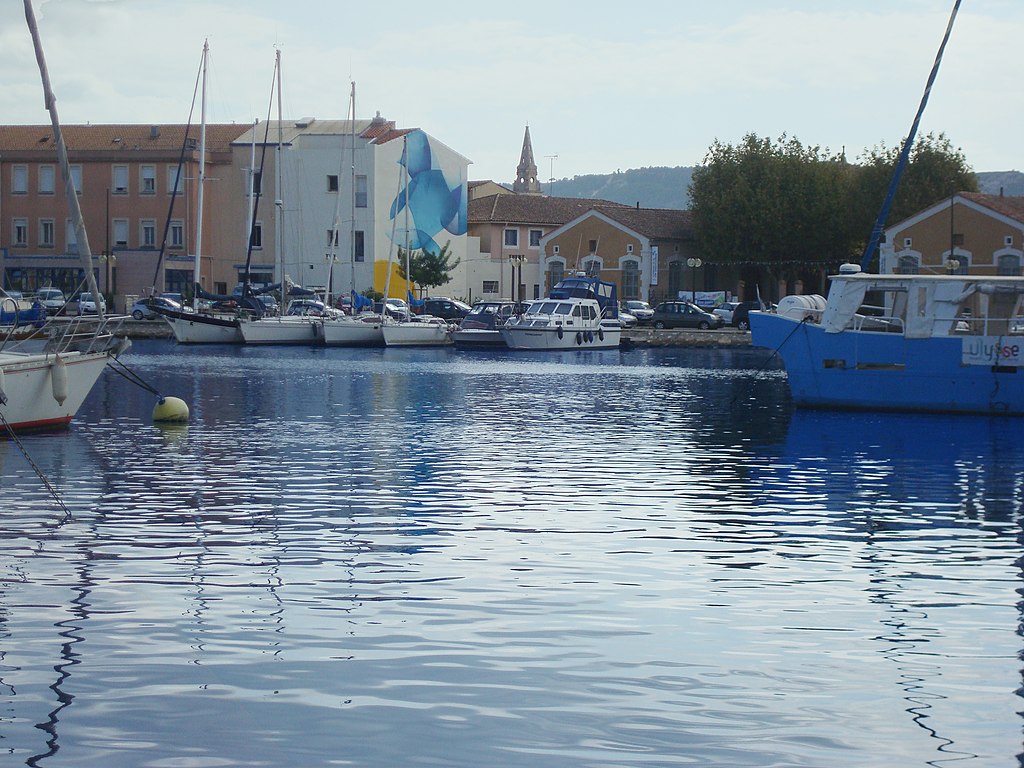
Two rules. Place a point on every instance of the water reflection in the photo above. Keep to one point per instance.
(640, 558)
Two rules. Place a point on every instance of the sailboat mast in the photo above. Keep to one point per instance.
(75, 210)
(197, 280)
(352, 225)
(405, 195)
(278, 235)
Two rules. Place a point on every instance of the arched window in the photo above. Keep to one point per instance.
(1009, 264)
(958, 263)
(675, 278)
(592, 267)
(630, 279)
(909, 264)
(556, 271)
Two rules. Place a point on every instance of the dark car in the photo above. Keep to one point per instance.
(740, 315)
(448, 309)
(683, 314)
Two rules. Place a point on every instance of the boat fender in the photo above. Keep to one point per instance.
(600, 334)
(579, 338)
(3, 395)
(59, 380)
(590, 337)
(560, 334)
(170, 410)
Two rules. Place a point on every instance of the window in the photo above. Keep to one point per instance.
(70, 236)
(46, 179)
(359, 246)
(592, 267)
(175, 179)
(120, 174)
(332, 182)
(177, 234)
(256, 239)
(908, 265)
(535, 236)
(332, 237)
(120, 232)
(490, 286)
(19, 179)
(593, 246)
(76, 178)
(511, 238)
(675, 278)
(20, 232)
(257, 183)
(630, 279)
(554, 249)
(147, 233)
(361, 196)
(557, 272)
(962, 262)
(147, 179)
(46, 233)
(629, 248)
(1009, 264)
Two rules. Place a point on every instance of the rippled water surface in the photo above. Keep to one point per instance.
(437, 558)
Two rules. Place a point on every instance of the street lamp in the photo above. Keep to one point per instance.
(693, 264)
(109, 261)
(516, 260)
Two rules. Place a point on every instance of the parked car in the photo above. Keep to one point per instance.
(725, 310)
(396, 308)
(684, 314)
(87, 304)
(740, 315)
(144, 309)
(52, 299)
(449, 309)
(641, 310)
(627, 320)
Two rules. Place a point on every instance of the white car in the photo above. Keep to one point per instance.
(725, 310)
(52, 299)
(87, 304)
(641, 310)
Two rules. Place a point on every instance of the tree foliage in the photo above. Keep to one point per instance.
(783, 205)
(427, 269)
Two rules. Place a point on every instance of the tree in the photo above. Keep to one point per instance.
(427, 269)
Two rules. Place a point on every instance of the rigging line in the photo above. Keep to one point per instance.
(883, 214)
(35, 467)
(771, 357)
(257, 195)
(177, 176)
(116, 366)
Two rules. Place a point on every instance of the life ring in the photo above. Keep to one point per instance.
(600, 334)
(560, 332)
(579, 338)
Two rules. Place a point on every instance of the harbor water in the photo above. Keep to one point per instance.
(382, 558)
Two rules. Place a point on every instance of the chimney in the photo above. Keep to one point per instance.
(154, 132)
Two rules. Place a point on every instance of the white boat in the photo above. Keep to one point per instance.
(423, 331)
(482, 326)
(580, 313)
(285, 329)
(363, 330)
(45, 388)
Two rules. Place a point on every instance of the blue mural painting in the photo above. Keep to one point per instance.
(437, 203)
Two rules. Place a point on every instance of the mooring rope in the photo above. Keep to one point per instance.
(35, 467)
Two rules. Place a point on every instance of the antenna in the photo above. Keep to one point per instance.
(551, 178)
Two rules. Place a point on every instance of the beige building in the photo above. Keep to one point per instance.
(968, 233)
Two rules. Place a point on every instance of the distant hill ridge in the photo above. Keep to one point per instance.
(663, 187)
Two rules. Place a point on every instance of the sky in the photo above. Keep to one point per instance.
(603, 86)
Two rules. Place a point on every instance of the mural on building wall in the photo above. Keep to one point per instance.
(437, 203)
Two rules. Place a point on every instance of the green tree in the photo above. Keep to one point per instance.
(428, 269)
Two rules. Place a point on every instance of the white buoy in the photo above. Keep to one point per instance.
(170, 410)
(59, 380)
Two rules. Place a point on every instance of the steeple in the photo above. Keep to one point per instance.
(526, 173)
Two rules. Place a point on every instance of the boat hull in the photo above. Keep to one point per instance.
(284, 330)
(865, 370)
(416, 335)
(352, 333)
(531, 337)
(196, 328)
(478, 338)
(32, 383)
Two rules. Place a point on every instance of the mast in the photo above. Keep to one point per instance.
(202, 182)
(405, 194)
(252, 191)
(352, 225)
(74, 209)
(278, 235)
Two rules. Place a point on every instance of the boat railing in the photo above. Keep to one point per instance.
(84, 333)
(874, 318)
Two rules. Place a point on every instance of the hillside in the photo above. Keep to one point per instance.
(667, 187)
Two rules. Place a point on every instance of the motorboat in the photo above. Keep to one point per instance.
(924, 342)
(580, 312)
(482, 326)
